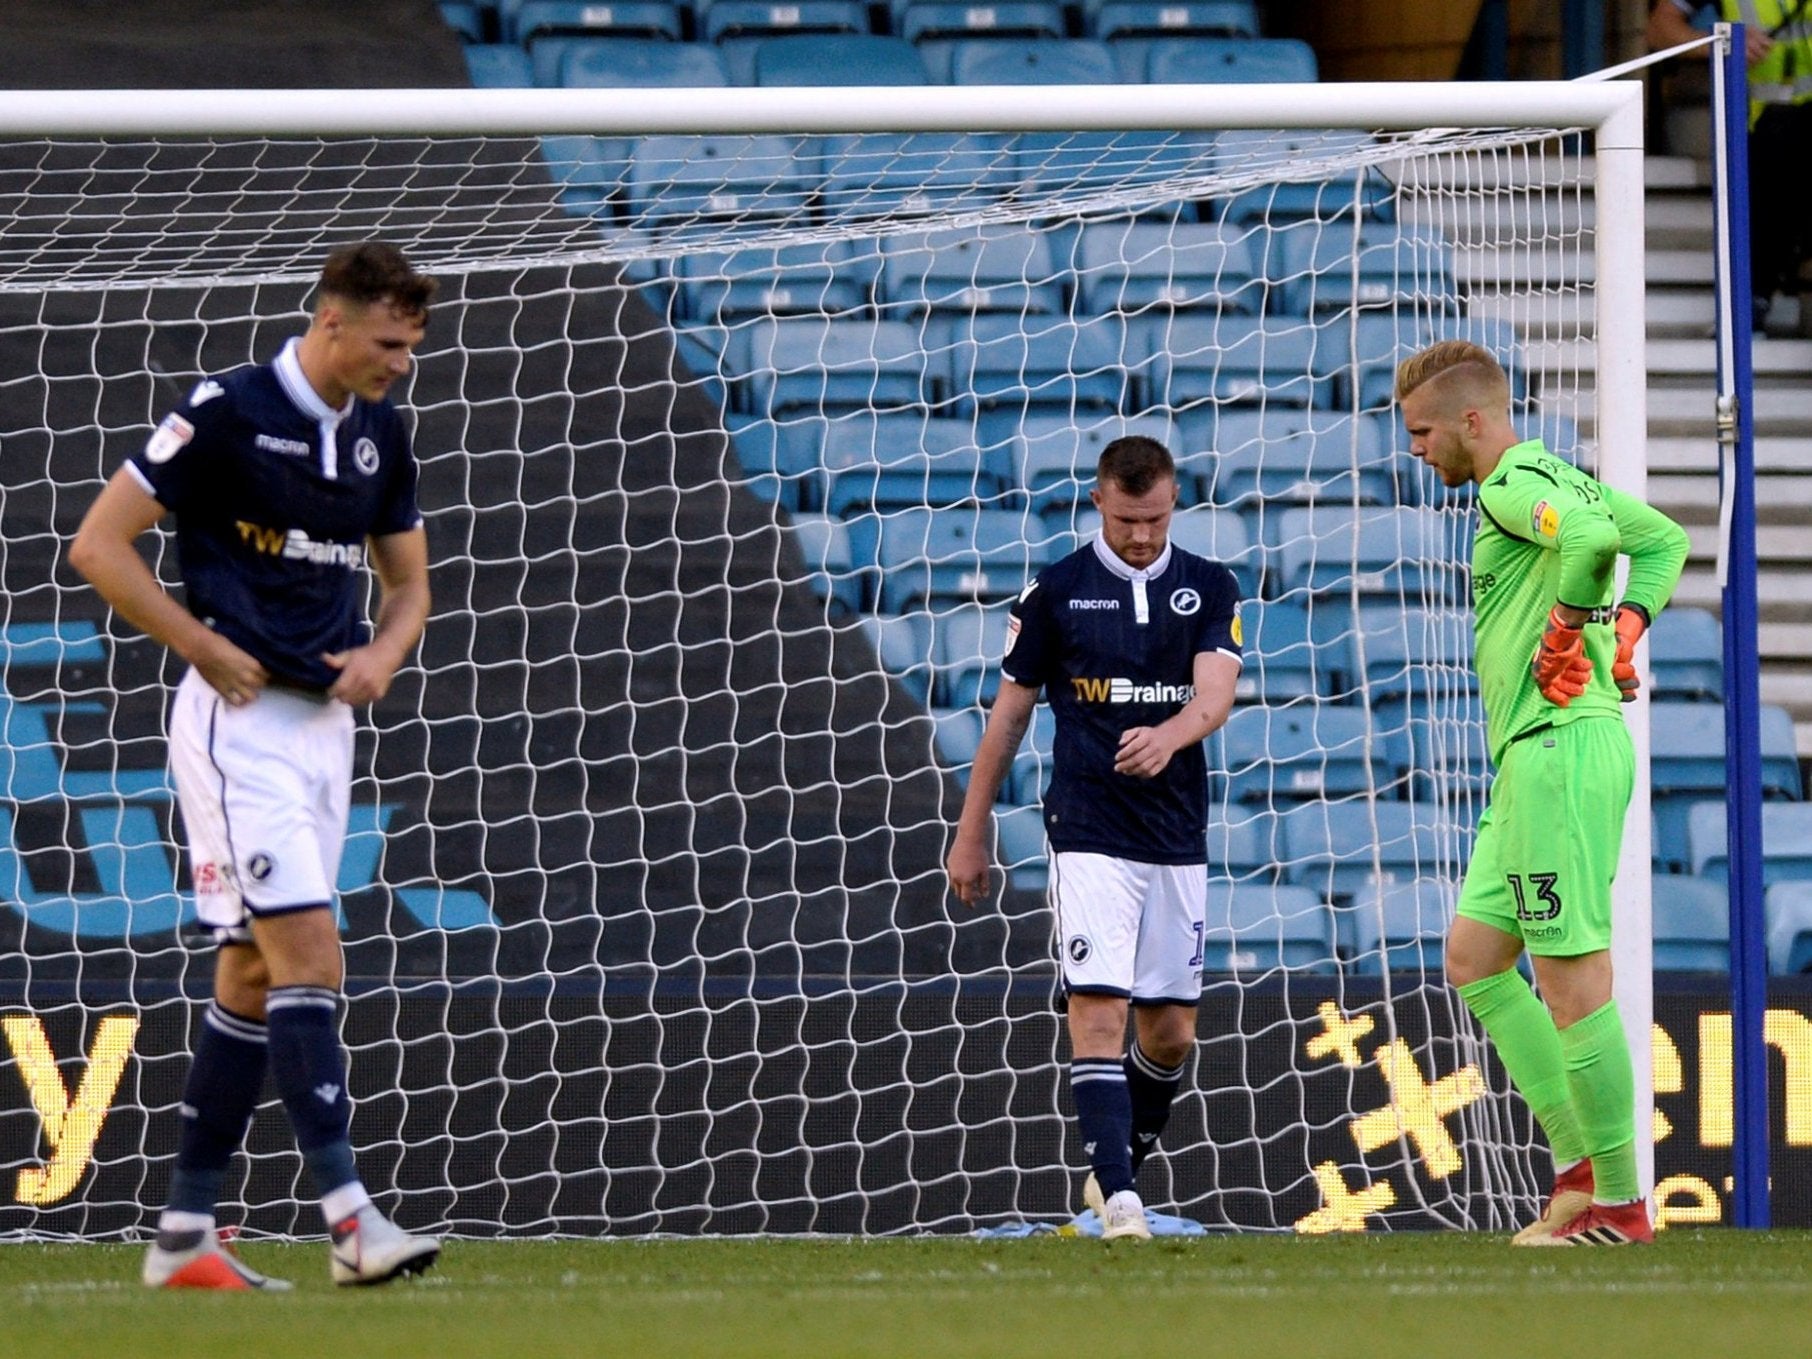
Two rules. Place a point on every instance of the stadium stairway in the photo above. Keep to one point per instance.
(658, 731)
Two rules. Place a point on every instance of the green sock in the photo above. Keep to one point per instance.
(1522, 1031)
(1603, 1083)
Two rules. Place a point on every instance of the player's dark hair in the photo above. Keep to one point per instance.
(1135, 464)
(376, 271)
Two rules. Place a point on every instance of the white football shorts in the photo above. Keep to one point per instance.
(1130, 929)
(264, 791)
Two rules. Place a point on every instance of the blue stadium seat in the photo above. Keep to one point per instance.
(643, 63)
(1276, 755)
(1690, 921)
(1788, 907)
(719, 20)
(1079, 161)
(1222, 536)
(1024, 852)
(1181, 18)
(903, 645)
(1687, 753)
(969, 269)
(828, 366)
(1240, 360)
(588, 170)
(914, 172)
(1437, 750)
(1374, 552)
(1129, 27)
(780, 459)
(1309, 174)
(534, 22)
(1053, 457)
(819, 278)
(1409, 652)
(464, 18)
(1031, 61)
(967, 643)
(1007, 368)
(940, 23)
(498, 65)
(1030, 777)
(904, 459)
(680, 180)
(1686, 654)
(1278, 455)
(1316, 266)
(1244, 843)
(1786, 841)
(1135, 265)
(1338, 848)
(830, 563)
(852, 58)
(954, 555)
(1399, 926)
(1282, 661)
(1231, 61)
(1254, 928)
(957, 732)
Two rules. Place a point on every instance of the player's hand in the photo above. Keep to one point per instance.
(231, 672)
(365, 674)
(1561, 667)
(1632, 622)
(1143, 753)
(969, 871)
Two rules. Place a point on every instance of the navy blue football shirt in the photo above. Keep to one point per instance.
(1114, 647)
(275, 493)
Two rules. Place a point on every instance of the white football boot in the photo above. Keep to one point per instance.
(368, 1248)
(197, 1259)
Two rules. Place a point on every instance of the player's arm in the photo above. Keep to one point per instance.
(1146, 751)
(970, 850)
(1657, 548)
(105, 554)
(401, 562)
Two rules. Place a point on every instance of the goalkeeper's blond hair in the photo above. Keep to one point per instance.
(1462, 368)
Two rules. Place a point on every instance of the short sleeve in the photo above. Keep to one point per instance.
(1219, 628)
(400, 511)
(177, 460)
(1031, 642)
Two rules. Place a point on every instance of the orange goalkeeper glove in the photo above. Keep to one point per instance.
(1632, 622)
(1561, 667)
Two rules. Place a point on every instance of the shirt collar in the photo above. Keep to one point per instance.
(301, 392)
(1111, 560)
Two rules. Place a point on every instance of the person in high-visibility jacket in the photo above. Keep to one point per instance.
(1777, 38)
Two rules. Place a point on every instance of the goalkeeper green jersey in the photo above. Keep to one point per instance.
(1549, 534)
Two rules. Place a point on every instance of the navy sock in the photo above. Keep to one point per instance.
(226, 1078)
(1104, 1112)
(1152, 1089)
(310, 1072)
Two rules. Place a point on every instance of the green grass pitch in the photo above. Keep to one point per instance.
(1696, 1293)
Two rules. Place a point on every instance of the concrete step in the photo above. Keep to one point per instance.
(1784, 501)
(1693, 359)
(1694, 454)
(1781, 593)
(1776, 545)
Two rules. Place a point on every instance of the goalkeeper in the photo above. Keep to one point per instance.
(1555, 655)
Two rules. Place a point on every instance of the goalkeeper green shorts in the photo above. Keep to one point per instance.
(1549, 841)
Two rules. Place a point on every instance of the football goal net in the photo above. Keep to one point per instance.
(741, 416)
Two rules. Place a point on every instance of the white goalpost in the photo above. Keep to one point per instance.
(741, 415)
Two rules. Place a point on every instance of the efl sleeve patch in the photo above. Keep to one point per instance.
(1544, 519)
(1239, 633)
(168, 439)
(1012, 636)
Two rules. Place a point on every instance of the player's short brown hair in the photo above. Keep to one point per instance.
(1135, 464)
(376, 271)
(1460, 363)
